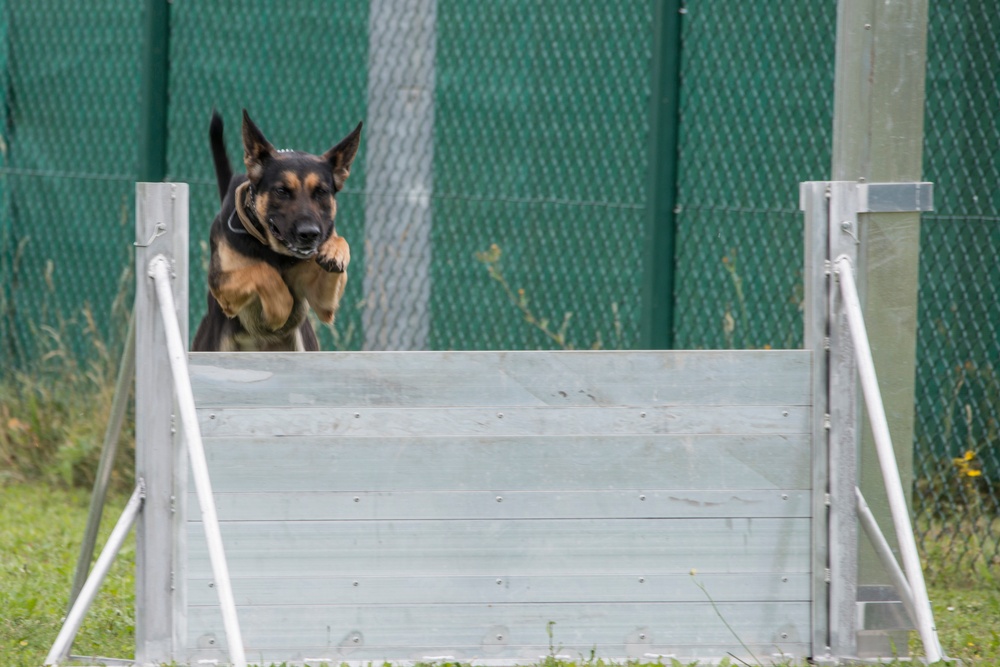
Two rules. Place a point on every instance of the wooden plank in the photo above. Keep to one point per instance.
(504, 548)
(446, 589)
(502, 379)
(520, 630)
(502, 504)
(509, 463)
(522, 421)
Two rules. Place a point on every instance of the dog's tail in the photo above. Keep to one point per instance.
(223, 168)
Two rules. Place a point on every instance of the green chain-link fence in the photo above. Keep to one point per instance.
(957, 444)
(501, 198)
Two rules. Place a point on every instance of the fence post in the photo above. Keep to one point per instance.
(878, 137)
(153, 111)
(658, 282)
(161, 228)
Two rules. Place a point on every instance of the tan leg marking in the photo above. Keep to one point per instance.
(240, 280)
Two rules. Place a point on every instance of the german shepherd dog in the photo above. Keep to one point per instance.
(274, 249)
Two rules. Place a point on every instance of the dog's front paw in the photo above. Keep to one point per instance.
(334, 255)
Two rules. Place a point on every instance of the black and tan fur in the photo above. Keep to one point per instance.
(275, 251)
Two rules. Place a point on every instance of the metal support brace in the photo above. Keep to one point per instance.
(64, 640)
(159, 271)
(887, 459)
(834, 212)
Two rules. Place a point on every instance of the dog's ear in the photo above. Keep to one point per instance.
(256, 149)
(342, 155)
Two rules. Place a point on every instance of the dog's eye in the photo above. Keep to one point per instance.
(321, 193)
(281, 192)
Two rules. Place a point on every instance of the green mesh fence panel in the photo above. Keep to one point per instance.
(756, 119)
(540, 148)
(957, 496)
(70, 84)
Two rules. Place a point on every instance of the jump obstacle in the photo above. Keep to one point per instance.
(499, 508)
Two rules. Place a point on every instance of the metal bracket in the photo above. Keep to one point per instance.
(888, 197)
(895, 197)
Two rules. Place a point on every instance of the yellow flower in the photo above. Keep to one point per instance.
(969, 455)
(973, 473)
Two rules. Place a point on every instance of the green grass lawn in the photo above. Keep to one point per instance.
(41, 528)
(40, 532)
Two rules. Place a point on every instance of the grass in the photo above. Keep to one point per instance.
(41, 526)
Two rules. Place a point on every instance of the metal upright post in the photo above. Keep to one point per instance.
(161, 228)
(658, 281)
(878, 138)
(154, 87)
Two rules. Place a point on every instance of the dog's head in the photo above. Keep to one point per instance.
(294, 192)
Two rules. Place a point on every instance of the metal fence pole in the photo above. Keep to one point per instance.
(153, 110)
(661, 231)
(878, 137)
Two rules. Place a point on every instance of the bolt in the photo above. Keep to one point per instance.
(784, 496)
(355, 639)
(212, 416)
(784, 579)
(642, 497)
(357, 415)
(642, 635)
(784, 635)
(357, 499)
(784, 413)
(499, 415)
(499, 638)
(356, 584)
(642, 414)
(642, 580)
(499, 582)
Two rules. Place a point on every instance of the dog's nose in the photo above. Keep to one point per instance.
(307, 233)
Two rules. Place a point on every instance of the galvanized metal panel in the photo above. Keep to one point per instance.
(510, 421)
(564, 546)
(384, 496)
(509, 463)
(502, 504)
(417, 632)
(499, 379)
(506, 589)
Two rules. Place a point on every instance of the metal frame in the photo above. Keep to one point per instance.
(834, 238)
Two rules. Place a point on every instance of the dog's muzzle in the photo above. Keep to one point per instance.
(303, 240)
